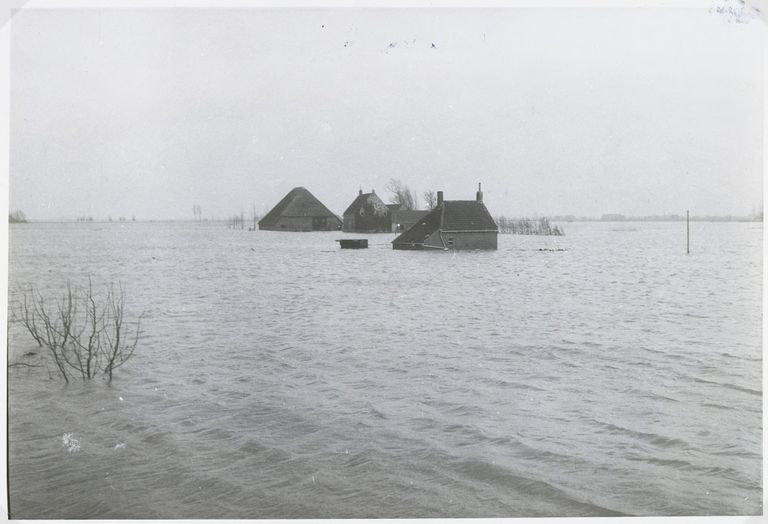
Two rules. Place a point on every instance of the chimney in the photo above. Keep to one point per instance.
(373, 191)
(439, 198)
(360, 191)
(479, 192)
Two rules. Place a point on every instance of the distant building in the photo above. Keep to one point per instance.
(299, 210)
(405, 219)
(452, 224)
(367, 214)
(394, 207)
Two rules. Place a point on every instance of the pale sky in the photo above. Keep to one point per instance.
(146, 112)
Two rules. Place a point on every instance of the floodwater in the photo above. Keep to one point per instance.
(281, 377)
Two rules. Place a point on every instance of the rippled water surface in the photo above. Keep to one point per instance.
(282, 377)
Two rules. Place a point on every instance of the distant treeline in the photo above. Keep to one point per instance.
(109, 218)
(17, 217)
(528, 226)
(757, 217)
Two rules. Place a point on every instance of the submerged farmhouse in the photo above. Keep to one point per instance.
(452, 224)
(405, 219)
(299, 210)
(367, 214)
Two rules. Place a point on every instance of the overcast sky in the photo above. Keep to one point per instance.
(147, 112)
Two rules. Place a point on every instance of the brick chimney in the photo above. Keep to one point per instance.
(479, 192)
(439, 198)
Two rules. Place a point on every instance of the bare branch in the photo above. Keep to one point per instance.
(83, 332)
(402, 194)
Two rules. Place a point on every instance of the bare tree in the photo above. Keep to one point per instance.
(119, 346)
(84, 334)
(23, 315)
(237, 221)
(402, 194)
(86, 348)
(254, 217)
(430, 198)
(51, 328)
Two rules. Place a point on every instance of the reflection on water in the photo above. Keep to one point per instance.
(604, 372)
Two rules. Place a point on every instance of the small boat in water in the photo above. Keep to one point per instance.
(353, 243)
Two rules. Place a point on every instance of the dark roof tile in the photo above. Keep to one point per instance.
(467, 215)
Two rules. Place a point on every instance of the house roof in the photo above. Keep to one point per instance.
(297, 203)
(409, 215)
(419, 232)
(451, 215)
(467, 215)
(374, 203)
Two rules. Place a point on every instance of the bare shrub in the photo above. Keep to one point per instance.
(528, 226)
(85, 334)
(119, 346)
(17, 217)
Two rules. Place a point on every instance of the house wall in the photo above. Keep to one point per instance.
(407, 246)
(356, 223)
(301, 224)
(478, 240)
(291, 224)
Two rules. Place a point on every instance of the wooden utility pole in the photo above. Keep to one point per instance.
(687, 232)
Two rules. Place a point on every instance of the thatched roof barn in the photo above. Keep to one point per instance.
(300, 210)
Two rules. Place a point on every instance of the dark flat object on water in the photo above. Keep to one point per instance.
(353, 243)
